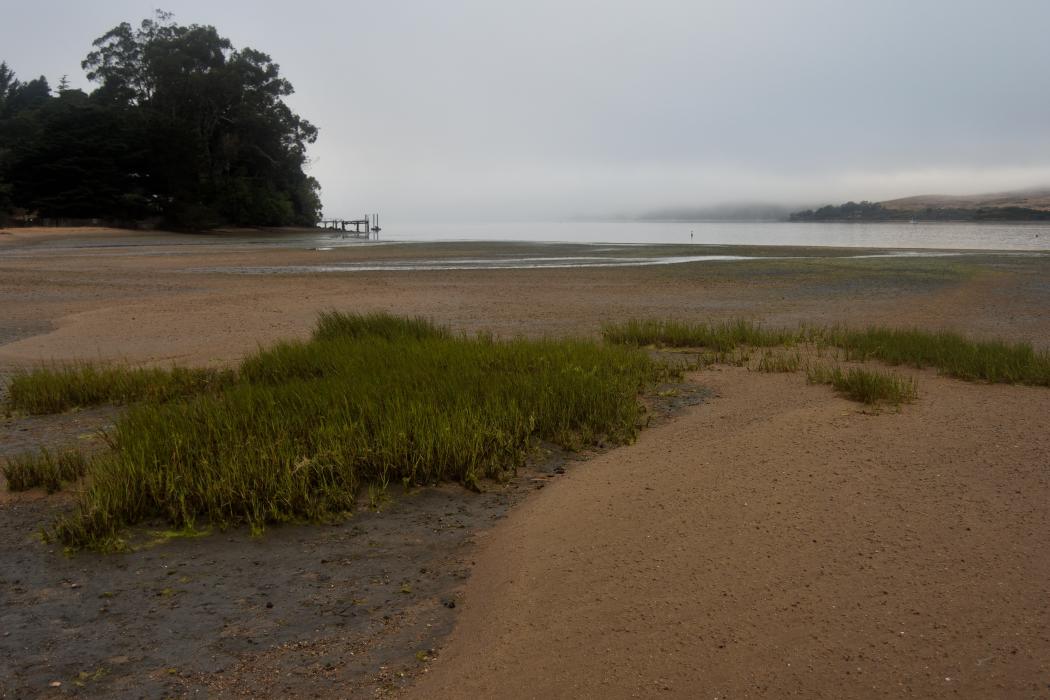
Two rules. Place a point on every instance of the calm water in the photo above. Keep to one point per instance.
(576, 244)
(950, 236)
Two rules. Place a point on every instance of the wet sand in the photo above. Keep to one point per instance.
(773, 525)
(117, 296)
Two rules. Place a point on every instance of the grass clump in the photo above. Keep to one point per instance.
(369, 401)
(780, 362)
(722, 337)
(336, 325)
(867, 386)
(953, 354)
(58, 389)
(44, 469)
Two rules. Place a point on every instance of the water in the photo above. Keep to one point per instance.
(569, 244)
(941, 236)
(495, 262)
(611, 255)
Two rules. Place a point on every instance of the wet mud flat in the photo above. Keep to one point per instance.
(300, 610)
(80, 429)
(352, 609)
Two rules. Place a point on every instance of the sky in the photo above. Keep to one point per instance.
(461, 110)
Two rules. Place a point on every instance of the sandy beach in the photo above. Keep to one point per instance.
(772, 540)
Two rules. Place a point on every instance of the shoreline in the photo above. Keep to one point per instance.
(147, 306)
(497, 235)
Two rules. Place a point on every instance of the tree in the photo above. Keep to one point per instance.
(227, 146)
(24, 97)
(8, 86)
(181, 124)
(78, 159)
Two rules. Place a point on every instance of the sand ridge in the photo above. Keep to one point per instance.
(778, 542)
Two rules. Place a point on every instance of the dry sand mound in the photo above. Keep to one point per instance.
(777, 542)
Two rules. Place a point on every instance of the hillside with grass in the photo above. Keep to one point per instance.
(1024, 205)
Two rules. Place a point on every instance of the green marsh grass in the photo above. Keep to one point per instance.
(369, 401)
(779, 362)
(866, 386)
(58, 389)
(333, 325)
(44, 469)
(723, 337)
(950, 353)
(953, 354)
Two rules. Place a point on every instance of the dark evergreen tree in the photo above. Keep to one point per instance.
(78, 159)
(181, 125)
(226, 146)
(8, 86)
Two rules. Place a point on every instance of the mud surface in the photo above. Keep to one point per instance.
(299, 611)
(354, 609)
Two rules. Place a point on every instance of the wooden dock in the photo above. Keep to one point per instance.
(356, 228)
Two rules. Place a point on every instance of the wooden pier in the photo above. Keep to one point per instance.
(357, 228)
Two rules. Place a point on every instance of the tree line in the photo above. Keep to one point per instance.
(182, 128)
(873, 211)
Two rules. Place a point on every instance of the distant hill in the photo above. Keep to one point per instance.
(1023, 205)
(1038, 199)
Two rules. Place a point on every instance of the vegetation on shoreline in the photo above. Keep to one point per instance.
(875, 212)
(721, 337)
(951, 353)
(56, 389)
(44, 469)
(299, 429)
(369, 401)
(864, 385)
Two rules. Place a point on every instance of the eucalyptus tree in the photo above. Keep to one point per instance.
(182, 125)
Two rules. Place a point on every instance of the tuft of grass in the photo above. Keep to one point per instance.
(721, 337)
(780, 362)
(57, 389)
(308, 425)
(953, 354)
(44, 469)
(867, 386)
(334, 325)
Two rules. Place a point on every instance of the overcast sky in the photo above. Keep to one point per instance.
(489, 109)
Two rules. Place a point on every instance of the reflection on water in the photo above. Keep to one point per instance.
(951, 236)
(544, 262)
(501, 263)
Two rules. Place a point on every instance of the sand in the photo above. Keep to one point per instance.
(778, 542)
(152, 298)
(775, 540)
